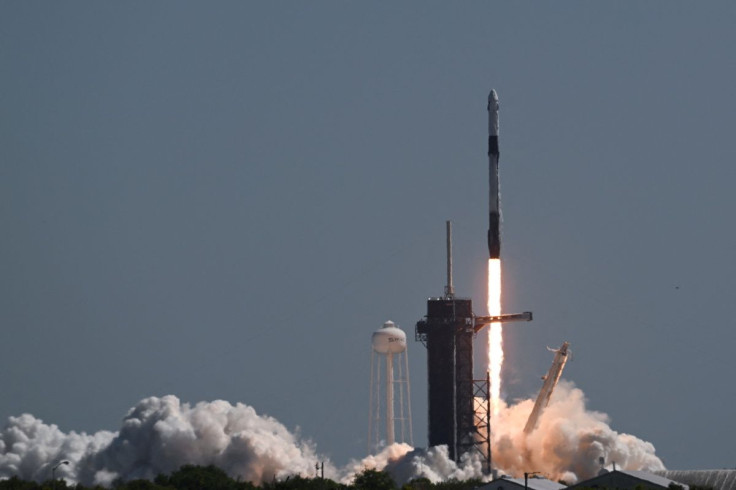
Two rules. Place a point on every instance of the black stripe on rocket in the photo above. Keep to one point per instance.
(494, 218)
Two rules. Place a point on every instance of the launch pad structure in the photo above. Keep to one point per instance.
(459, 406)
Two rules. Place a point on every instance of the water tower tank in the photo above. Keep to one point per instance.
(389, 339)
(390, 400)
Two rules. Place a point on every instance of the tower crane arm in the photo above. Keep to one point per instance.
(479, 322)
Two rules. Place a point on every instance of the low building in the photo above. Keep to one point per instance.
(625, 480)
(506, 483)
(715, 479)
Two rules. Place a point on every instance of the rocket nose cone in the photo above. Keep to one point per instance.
(493, 102)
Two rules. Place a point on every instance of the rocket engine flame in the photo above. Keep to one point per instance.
(495, 333)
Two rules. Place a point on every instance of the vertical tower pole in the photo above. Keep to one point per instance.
(489, 460)
(371, 406)
(390, 438)
(408, 397)
(449, 289)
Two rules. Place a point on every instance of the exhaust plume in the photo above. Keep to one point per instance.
(495, 333)
(159, 435)
(567, 442)
(405, 463)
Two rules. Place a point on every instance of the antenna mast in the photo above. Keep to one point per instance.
(449, 289)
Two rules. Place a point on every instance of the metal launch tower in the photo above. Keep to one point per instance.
(459, 405)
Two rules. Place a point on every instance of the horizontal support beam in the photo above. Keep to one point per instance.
(481, 321)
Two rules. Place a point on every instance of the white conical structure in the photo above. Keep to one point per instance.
(393, 410)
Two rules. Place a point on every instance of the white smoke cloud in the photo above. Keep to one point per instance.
(404, 463)
(567, 442)
(159, 435)
(29, 448)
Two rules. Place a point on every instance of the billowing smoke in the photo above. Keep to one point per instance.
(405, 463)
(159, 435)
(566, 445)
(567, 442)
(28, 449)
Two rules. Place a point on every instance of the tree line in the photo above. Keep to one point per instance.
(191, 477)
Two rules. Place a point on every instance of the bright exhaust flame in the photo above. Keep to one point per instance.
(495, 333)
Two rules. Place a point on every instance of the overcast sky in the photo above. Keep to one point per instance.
(223, 200)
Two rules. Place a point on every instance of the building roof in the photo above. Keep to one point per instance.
(624, 479)
(717, 479)
(506, 483)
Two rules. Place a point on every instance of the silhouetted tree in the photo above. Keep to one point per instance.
(16, 483)
(300, 483)
(418, 484)
(190, 477)
(454, 484)
(373, 480)
(140, 485)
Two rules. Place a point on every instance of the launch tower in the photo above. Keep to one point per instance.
(447, 332)
(459, 409)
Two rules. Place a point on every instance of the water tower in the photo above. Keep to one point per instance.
(389, 415)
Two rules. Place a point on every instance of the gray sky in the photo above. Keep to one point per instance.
(224, 200)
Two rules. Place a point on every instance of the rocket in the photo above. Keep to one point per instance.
(494, 202)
